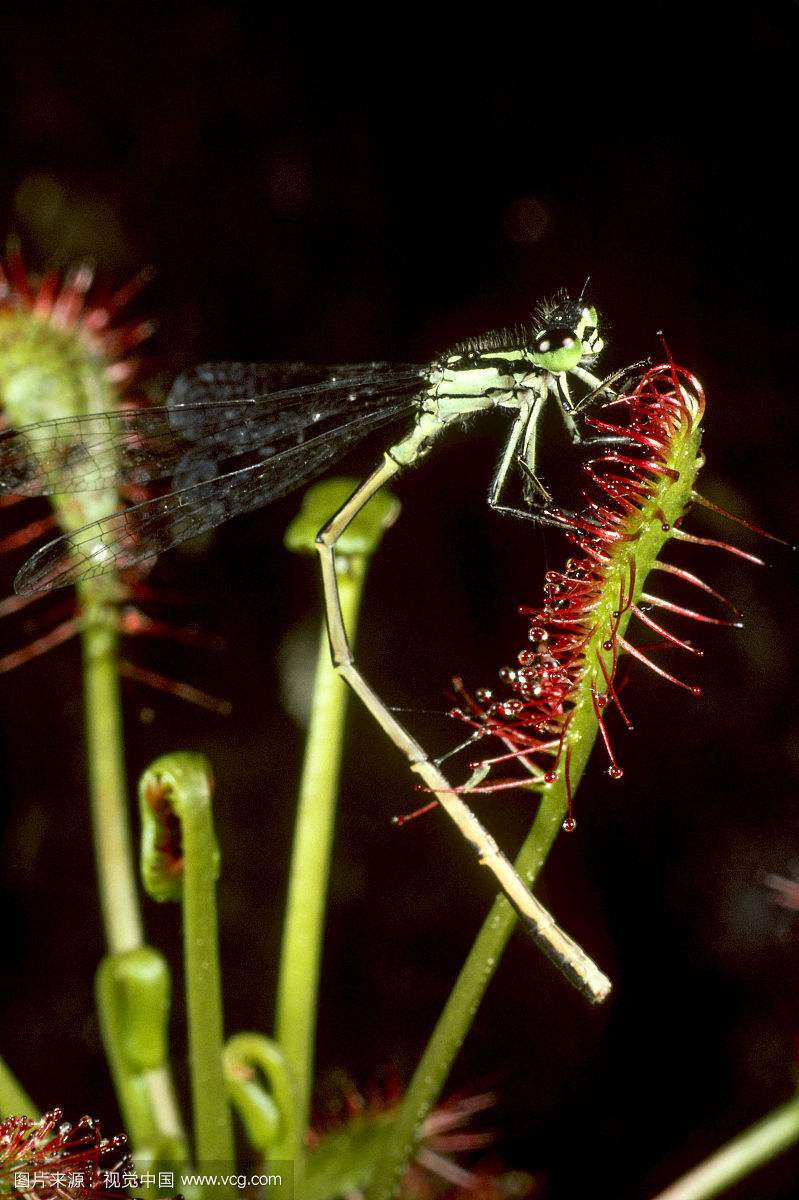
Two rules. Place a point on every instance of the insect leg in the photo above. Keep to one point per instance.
(559, 385)
(508, 454)
(604, 386)
(526, 423)
(567, 410)
(610, 440)
(536, 515)
(555, 943)
(529, 456)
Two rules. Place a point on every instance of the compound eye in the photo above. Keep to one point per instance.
(558, 337)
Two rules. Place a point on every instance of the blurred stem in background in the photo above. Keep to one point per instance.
(303, 932)
(763, 1141)
(14, 1100)
(145, 1089)
(102, 702)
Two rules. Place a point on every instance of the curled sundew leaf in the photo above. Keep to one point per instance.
(180, 861)
(269, 1116)
(171, 791)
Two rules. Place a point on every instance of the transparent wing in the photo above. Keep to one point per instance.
(145, 530)
(234, 414)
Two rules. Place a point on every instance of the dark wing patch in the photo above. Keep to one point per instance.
(145, 530)
(215, 416)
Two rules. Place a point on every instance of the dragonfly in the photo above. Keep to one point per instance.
(235, 436)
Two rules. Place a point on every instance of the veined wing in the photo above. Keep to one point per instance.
(220, 417)
(145, 530)
(236, 381)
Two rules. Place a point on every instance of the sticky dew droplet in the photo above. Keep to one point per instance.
(569, 825)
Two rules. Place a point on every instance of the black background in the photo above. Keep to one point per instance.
(330, 187)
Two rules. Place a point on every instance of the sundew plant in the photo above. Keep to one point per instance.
(126, 481)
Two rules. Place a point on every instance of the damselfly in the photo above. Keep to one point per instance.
(235, 436)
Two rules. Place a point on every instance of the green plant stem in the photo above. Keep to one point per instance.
(759, 1144)
(106, 767)
(113, 853)
(298, 979)
(14, 1100)
(301, 947)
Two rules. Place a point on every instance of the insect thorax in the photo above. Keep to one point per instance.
(508, 350)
